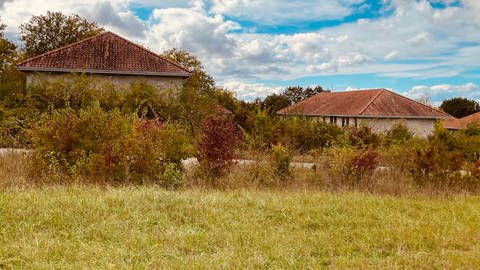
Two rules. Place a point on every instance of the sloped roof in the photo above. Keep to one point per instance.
(363, 103)
(104, 53)
(455, 123)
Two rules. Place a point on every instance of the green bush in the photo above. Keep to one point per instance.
(398, 134)
(172, 176)
(306, 134)
(363, 136)
(261, 131)
(281, 161)
(98, 145)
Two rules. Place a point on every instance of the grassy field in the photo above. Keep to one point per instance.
(147, 227)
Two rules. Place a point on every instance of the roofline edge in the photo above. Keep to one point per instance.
(97, 71)
(365, 116)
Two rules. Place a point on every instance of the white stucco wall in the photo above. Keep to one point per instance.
(158, 81)
(421, 127)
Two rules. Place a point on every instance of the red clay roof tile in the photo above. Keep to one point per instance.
(463, 123)
(104, 53)
(363, 103)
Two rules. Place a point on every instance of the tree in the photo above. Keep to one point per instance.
(225, 98)
(8, 52)
(460, 107)
(275, 102)
(54, 30)
(425, 100)
(295, 94)
(199, 79)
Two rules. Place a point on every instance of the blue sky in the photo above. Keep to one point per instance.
(420, 48)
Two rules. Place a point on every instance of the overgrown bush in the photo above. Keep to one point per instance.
(261, 131)
(435, 164)
(364, 164)
(306, 134)
(363, 136)
(96, 145)
(281, 161)
(352, 168)
(398, 134)
(219, 139)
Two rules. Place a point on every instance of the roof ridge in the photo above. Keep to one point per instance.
(149, 51)
(297, 104)
(371, 101)
(62, 48)
(96, 36)
(470, 115)
(424, 105)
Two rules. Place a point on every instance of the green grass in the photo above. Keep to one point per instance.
(147, 227)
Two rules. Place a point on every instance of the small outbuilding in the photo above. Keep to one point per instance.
(109, 56)
(379, 109)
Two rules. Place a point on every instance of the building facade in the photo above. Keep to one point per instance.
(106, 56)
(380, 109)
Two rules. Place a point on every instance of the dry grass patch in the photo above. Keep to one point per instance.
(14, 169)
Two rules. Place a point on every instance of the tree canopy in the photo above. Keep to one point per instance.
(460, 107)
(292, 94)
(8, 51)
(275, 102)
(54, 30)
(199, 79)
(295, 94)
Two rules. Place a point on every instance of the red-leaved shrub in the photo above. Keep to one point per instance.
(219, 139)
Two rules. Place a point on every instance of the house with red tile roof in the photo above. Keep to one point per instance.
(464, 122)
(378, 108)
(106, 55)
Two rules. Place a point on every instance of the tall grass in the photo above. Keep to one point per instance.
(14, 169)
(148, 227)
(260, 174)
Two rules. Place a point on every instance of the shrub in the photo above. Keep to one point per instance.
(261, 130)
(96, 145)
(361, 166)
(281, 161)
(172, 176)
(352, 168)
(435, 165)
(363, 136)
(307, 134)
(398, 134)
(219, 138)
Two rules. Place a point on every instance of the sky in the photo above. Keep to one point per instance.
(419, 48)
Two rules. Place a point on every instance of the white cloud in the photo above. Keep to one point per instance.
(193, 30)
(283, 11)
(113, 15)
(419, 39)
(2, 2)
(350, 60)
(250, 91)
(391, 55)
(444, 91)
